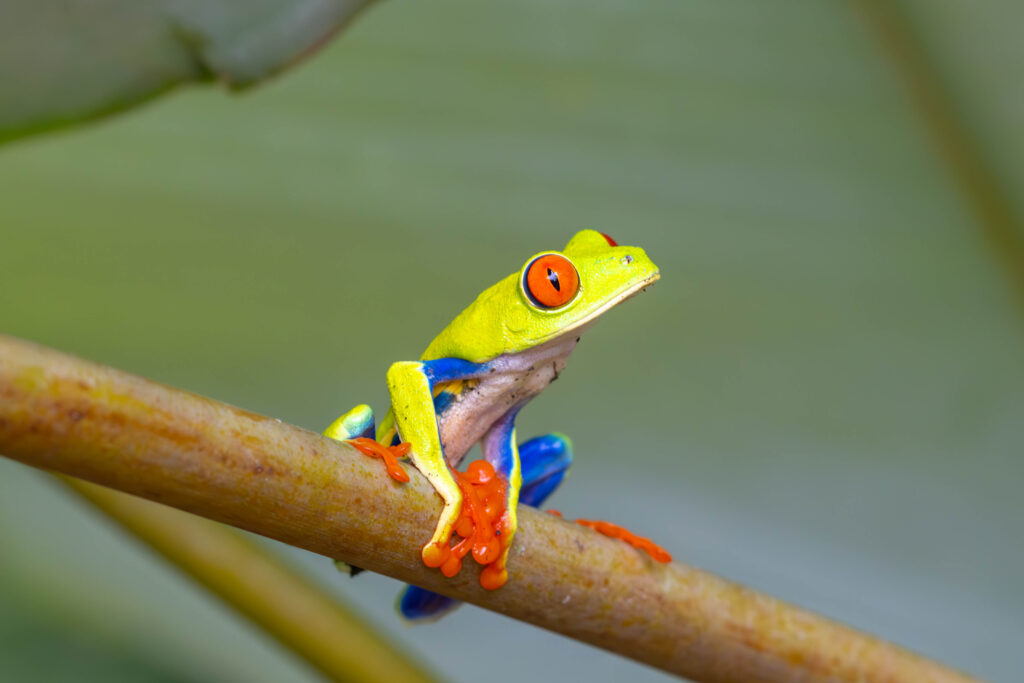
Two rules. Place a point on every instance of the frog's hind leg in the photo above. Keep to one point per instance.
(545, 461)
(356, 423)
(419, 605)
(356, 428)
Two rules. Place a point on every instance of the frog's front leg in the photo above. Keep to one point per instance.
(411, 387)
(544, 463)
(531, 472)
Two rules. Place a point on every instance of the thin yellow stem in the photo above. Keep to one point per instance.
(950, 131)
(96, 423)
(307, 620)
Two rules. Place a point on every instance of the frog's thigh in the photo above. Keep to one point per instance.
(545, 462)
(413, 407)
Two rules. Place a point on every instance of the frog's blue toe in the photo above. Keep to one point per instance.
(419, 604)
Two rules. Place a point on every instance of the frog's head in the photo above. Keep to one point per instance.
(554, 294)
(562, 291)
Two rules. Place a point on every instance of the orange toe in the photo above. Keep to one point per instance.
(389, 454)
(435, 555)
(451, 566)
(486, 552)
(656, 552)
(492, 577)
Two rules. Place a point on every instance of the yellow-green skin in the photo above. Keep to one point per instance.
(497, 331)
(503, 320)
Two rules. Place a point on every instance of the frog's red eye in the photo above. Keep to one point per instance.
(551, 281)
(611, 242)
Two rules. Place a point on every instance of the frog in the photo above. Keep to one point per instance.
(469, 386)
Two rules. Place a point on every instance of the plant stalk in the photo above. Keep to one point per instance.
(96, 423)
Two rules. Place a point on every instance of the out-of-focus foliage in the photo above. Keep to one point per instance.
(821, 398)
(39, 647)
(66, 60)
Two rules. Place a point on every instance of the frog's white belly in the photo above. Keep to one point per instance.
(511, 381)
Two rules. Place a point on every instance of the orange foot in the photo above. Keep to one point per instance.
(656, 552)
(389, 454)
(483, 525)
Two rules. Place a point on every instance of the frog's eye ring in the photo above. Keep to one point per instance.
(551, 281)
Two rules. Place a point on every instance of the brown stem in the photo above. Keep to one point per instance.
(96, 423)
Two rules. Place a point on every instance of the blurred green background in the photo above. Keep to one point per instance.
(822, 398)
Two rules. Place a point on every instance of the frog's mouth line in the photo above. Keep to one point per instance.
(640, 286)
(627, 293)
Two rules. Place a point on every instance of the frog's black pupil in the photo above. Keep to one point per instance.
(553, 278)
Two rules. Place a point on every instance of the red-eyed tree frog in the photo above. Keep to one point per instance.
(468, 387)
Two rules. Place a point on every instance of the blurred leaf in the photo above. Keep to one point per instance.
(63, 61)
(32, 636)
(821, 397)
(957, 128)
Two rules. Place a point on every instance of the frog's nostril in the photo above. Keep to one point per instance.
(627, 259)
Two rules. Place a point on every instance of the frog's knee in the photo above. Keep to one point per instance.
(356, 423)
(545, 463)
(406, 376)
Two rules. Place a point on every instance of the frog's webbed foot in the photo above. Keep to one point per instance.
(473, 521)
(492, 488)
(544, 463)
(356, 427)
(389, 454)
(657, 553)
(482, 524)
(478, 531)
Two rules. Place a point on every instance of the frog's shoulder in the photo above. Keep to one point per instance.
(479, 333)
